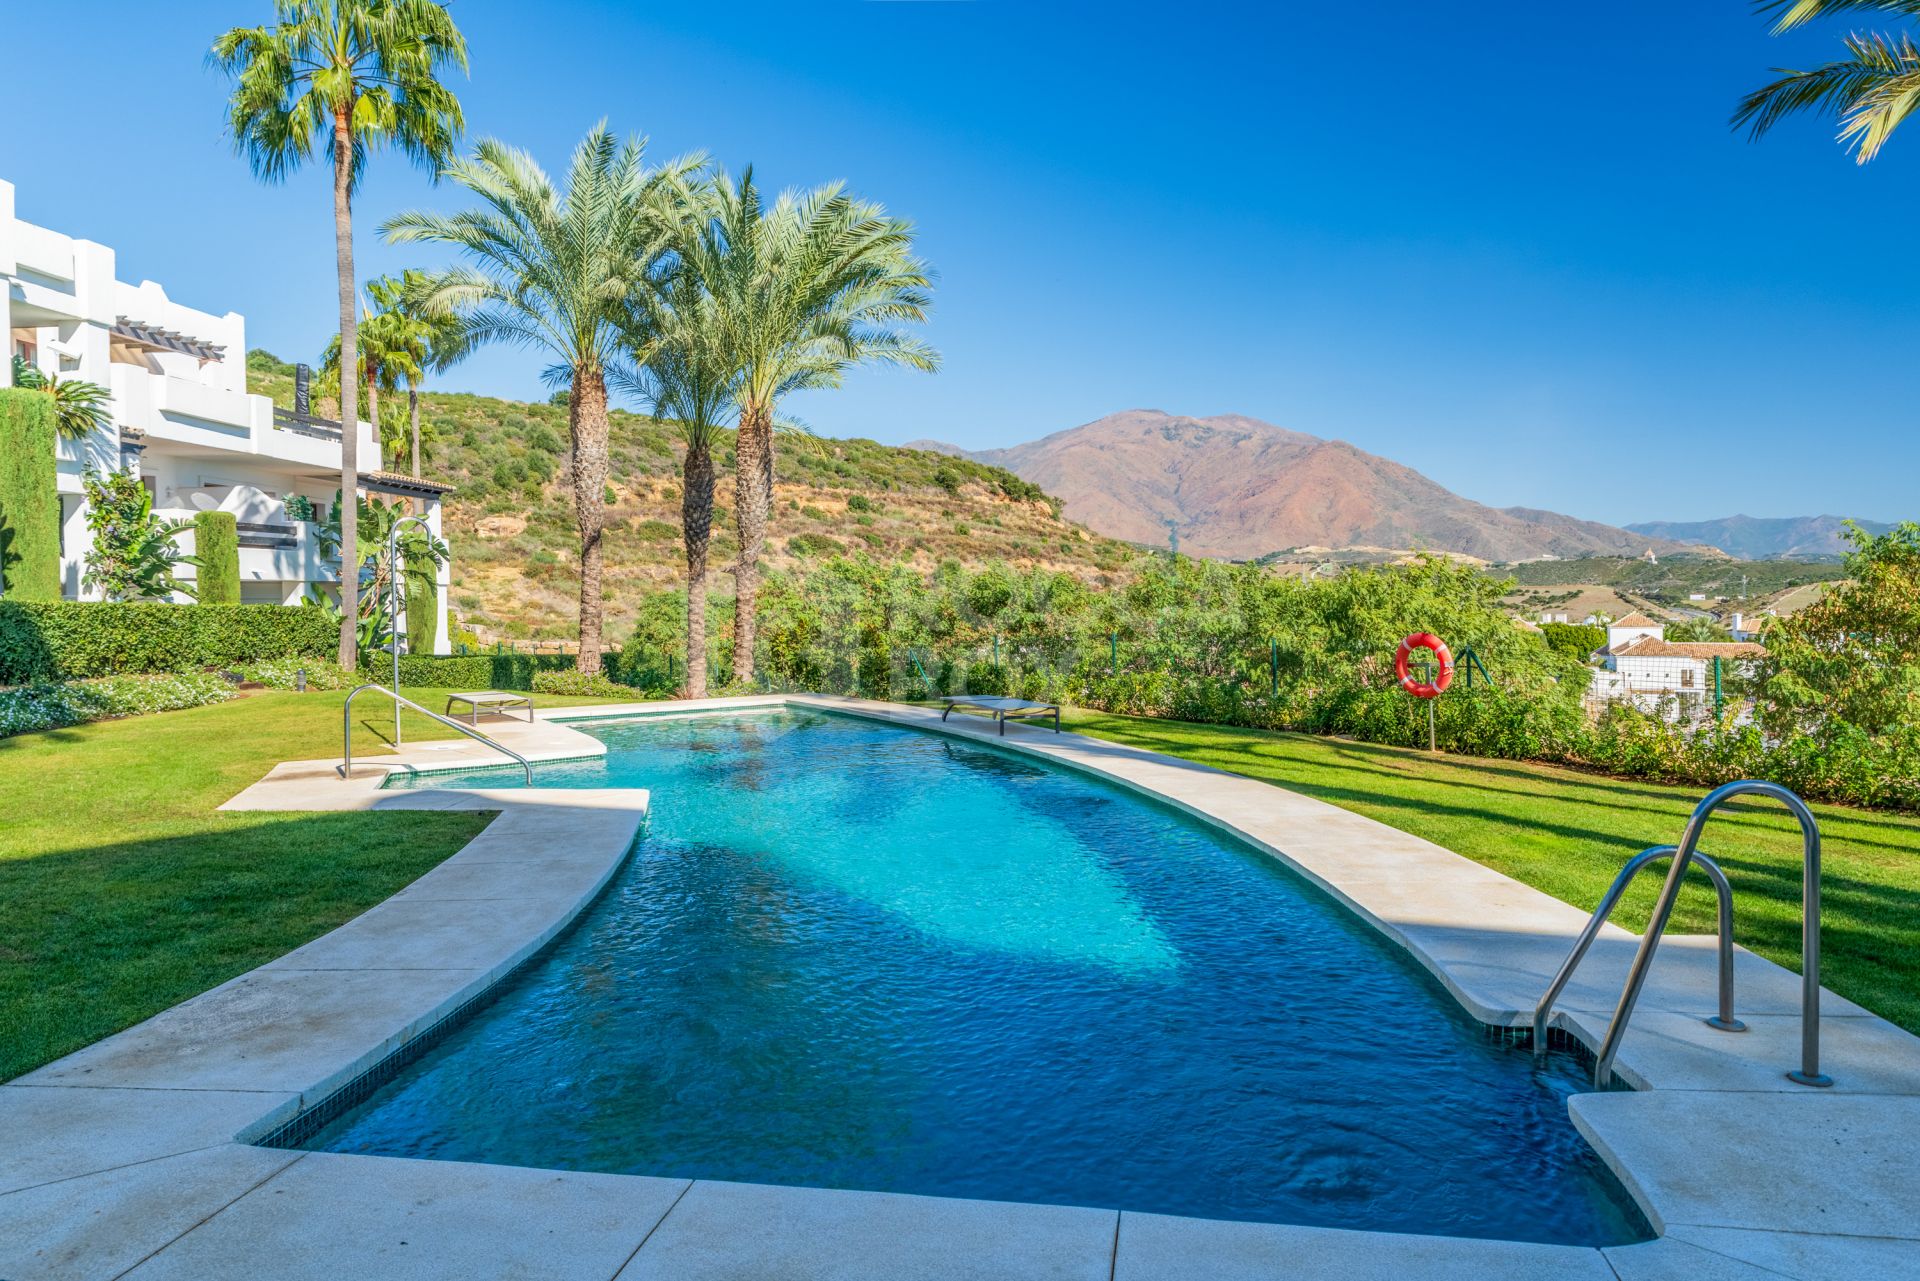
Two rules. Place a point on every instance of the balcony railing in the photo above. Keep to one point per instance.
(254, 534)
(306, 424)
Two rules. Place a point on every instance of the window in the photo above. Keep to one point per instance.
(1686, 678)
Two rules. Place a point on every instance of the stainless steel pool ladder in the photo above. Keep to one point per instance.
(1687, 852)
(346, 729)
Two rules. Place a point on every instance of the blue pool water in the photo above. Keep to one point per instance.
(851, 955)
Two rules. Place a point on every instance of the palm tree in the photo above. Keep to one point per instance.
(1870, 92)
(347, 75)
(687, 375)
(79, 407)
(432, 338)
(802, 291)
(559, 273)
(392, 350)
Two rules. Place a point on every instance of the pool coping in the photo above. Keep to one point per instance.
(137, 1161)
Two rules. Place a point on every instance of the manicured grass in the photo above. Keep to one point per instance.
(1568, 833)
(122, 891)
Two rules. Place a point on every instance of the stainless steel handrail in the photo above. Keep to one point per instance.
(1724, 1021)
(1808, 1072)
(346, 729)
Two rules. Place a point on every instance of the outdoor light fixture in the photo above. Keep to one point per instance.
(300, 681)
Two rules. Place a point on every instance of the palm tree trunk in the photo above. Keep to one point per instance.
(587, 418)
(373, 416)
(349, 654)
(696, 524)
(753, 504)
(413, 421)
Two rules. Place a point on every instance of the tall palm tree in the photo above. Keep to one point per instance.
(432, 337)
(558, 272)
(1870, 92)
(802, 291)
(346, 75)
(689, 378)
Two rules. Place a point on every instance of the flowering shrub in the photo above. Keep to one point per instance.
(282, 673)
(54, 705)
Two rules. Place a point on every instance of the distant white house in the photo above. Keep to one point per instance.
(1635, 626)
(183, 421)
(1641, 665)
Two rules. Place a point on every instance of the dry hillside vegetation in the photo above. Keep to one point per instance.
(511, 521)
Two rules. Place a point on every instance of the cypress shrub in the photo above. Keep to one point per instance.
(216, 550)
(29, 503)
(72, 640)
(423, 607)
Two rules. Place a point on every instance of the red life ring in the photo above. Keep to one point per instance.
(1441, 679)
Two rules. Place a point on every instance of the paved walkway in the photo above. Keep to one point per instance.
(129, 1158)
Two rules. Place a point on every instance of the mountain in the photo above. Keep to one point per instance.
(1761, 537)
(1237, 487)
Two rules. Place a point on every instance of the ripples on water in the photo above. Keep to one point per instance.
(852, 955)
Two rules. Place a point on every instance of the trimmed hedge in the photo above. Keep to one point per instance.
(70, 640)
(29, 503)
(508, 671)
(471, 671)
(216, 550)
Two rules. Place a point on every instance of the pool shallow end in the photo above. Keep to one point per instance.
(107, 1180)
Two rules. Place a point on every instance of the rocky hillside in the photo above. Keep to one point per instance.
(1238, 487)
(1761, 537)
(516, 551)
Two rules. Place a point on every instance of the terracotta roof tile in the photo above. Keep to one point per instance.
(1651, 647)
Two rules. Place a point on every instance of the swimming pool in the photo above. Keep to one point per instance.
(848, 954)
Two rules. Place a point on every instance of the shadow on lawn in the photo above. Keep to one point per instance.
(1554, 786)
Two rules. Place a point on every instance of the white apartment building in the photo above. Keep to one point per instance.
(183, 420)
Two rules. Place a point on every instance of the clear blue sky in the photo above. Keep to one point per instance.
(1513, 245)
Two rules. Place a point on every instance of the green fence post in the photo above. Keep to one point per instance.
(1113, 653)
(1273, 665)
(1717, 702)
(996, 649)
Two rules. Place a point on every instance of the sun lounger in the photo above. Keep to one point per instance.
(1001, 709)
(490, 700)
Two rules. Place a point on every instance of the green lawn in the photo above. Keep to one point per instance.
(1567, 833)
(122, 891)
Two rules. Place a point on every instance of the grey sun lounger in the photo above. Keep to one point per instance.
(490, 700)
(1001, 709)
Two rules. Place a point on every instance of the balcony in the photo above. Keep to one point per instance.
(260, 534)
(306, 425)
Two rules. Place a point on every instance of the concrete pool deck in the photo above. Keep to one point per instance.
(132, 1157)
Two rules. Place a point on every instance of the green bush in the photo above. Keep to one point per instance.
(1576, 639)
(53, 705)
(71, 640)
(216, 551)
(580, 683)
(813, 545)
(423, 606)
(29, 503)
